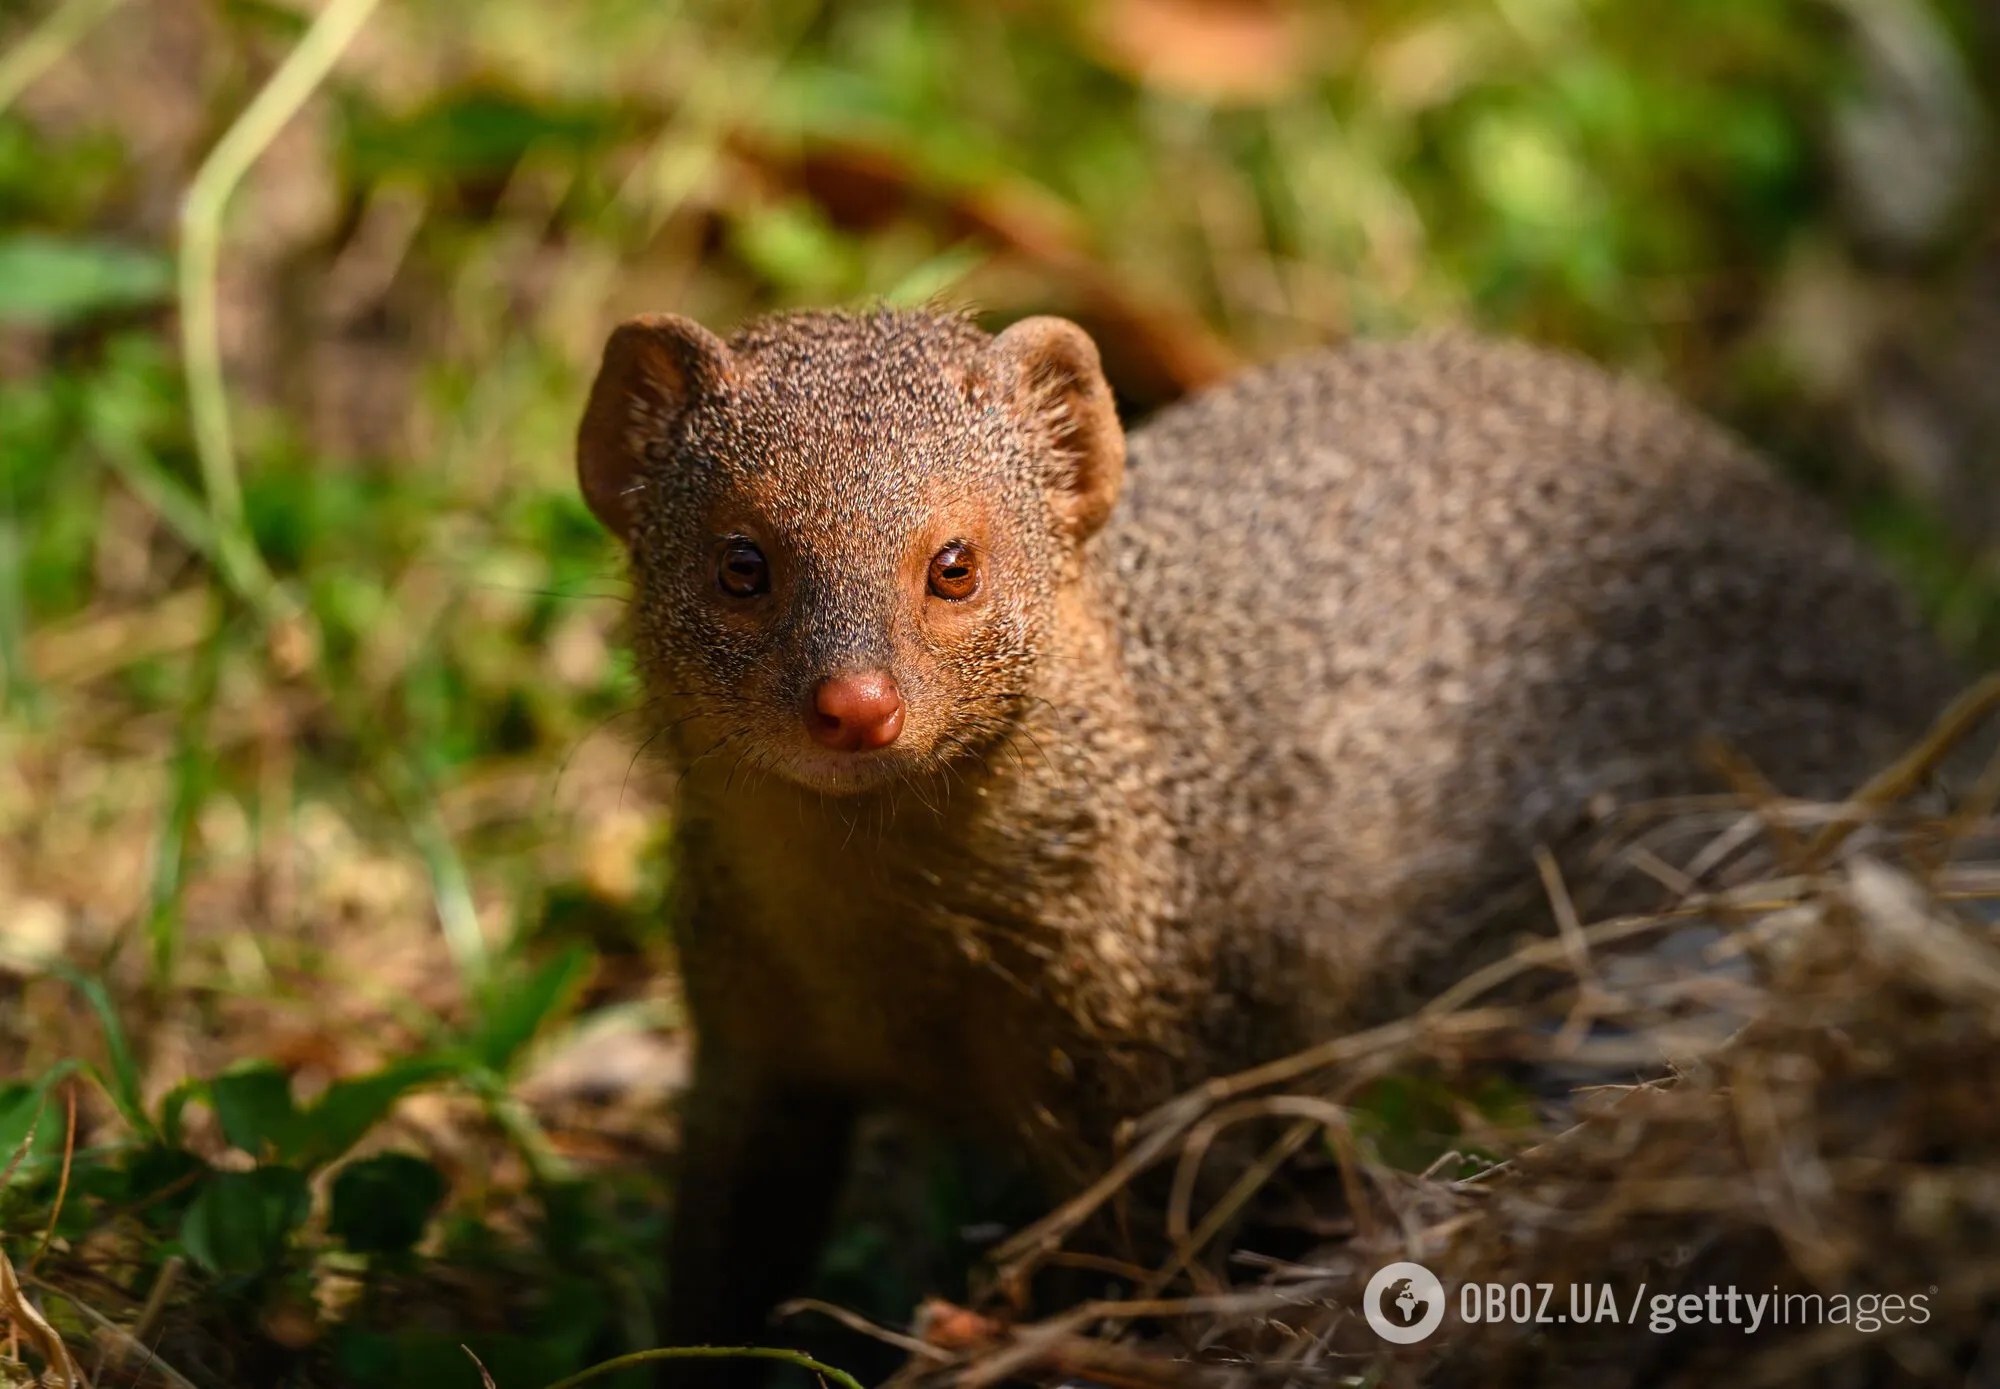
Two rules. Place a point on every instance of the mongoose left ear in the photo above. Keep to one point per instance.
(655, 366)
(1063, 384)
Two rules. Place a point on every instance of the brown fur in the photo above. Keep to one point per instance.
(1256, 761)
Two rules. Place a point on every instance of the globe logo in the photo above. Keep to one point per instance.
(1404, 1303)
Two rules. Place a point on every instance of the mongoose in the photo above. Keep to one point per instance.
(1028, 772)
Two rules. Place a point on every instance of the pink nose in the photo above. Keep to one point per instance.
(853, 713)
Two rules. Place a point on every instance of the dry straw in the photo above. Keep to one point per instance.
(1812, 1107)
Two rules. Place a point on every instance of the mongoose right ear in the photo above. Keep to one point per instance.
(1063, 381)
(655, 366)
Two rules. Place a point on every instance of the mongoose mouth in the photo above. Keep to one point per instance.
(844, 773)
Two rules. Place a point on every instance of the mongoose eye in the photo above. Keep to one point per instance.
(743, 571)
(955, 572)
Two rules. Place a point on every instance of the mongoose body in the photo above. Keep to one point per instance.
(1023, 787)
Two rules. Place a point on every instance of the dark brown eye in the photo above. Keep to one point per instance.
(743, 571)
(955, 572)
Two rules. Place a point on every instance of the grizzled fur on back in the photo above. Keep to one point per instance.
(1257, 754)
(1456, 600)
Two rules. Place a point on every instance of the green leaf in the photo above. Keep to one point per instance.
(31, 1124)
(238, 1224)
(516, 1008)
(21, 1104)
(163, 1182)
(381, 1204)
(349, 1108)
(477, 132)
(254, 1103)
(46, 282)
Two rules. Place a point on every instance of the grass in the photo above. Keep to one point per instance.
(328, 880)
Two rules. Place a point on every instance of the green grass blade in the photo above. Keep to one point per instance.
(122, 1084)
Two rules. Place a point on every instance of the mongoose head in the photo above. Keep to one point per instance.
(850, 533)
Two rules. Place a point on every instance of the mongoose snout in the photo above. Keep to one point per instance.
(857, 713)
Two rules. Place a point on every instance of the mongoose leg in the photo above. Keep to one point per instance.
(761, 1168)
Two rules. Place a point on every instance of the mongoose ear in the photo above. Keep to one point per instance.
(1064, 384)
(655, 366)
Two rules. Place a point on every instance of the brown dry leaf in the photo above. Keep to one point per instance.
(1229, 50)
(16, 1311)
(948, 1326)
